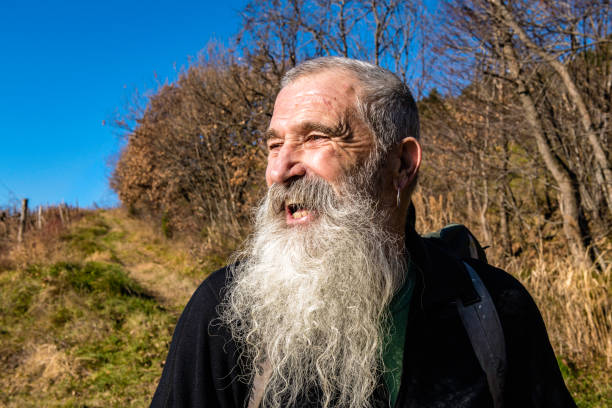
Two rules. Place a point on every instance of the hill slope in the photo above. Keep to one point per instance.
(87, 314)
(89, 325)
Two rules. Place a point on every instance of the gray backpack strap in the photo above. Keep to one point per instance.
(484, 329)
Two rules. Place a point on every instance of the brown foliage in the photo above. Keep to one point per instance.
(517, 151)
(195, 158)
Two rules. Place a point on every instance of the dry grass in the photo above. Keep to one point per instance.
(168, 268)
(40, 243)
(576, 304)
(574, 299)
(87, 310)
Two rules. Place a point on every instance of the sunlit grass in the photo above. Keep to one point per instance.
(86, 315)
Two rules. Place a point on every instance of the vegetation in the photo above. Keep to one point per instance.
(88, 321)
(515, 113)
(515, 102)
(87, 313)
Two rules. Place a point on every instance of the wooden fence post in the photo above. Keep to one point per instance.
(4, 220)
(61, 214)
(22, 220)
(39, 217)
(66, 212)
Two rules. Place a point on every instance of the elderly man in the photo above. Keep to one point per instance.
(335, 301)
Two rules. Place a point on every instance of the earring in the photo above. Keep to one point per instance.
(398, 198)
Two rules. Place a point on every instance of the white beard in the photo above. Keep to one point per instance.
(310, 301)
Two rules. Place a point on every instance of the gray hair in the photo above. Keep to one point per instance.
(385, 103)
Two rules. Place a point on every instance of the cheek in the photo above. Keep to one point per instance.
(326, 164)
(268, 175)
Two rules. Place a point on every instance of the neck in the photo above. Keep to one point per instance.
(402, 217)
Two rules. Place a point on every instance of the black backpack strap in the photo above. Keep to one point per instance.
(484, 329)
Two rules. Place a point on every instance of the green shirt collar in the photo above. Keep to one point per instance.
(393, 351)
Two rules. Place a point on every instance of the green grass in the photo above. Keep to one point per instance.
(590, 388)
(87, 239)
(115, 356)
(76, 333)
(80, 333)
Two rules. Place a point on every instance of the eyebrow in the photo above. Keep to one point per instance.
(342, 129)
(271, 134)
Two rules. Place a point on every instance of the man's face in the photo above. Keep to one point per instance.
(315, 131)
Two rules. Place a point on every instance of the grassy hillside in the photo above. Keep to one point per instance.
(87, 313)
(88, 323)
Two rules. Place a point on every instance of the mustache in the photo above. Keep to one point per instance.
(311, 192)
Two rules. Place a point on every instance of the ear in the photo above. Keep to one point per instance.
(409, 151)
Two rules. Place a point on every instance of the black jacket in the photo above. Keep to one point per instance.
(440, 367)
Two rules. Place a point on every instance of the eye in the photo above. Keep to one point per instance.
(317, 136)
(274, 144)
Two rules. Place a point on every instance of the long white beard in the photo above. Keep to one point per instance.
(309, 301)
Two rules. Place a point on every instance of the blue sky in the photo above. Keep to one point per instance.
(68, 66)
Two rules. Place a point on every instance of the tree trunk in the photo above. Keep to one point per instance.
(585, 117)
(482, 214)
(503, 222)
(574, 223)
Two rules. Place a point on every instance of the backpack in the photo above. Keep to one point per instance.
(476, 310)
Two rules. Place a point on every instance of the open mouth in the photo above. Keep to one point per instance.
(297, 213)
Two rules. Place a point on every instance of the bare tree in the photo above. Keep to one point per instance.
(518, 131)
(390, 33)
(554, 33)
(492, 40)
(194, 155)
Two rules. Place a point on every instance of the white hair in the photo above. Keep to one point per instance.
(310, 302)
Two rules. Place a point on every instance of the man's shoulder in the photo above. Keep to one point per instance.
(447, 278)
(532, 374)
(509, 294)
(205, 300)
(200, 367)
(216, 282)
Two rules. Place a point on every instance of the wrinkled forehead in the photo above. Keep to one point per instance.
(331, 87)
(324, 98)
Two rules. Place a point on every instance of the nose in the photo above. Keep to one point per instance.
(285, 165)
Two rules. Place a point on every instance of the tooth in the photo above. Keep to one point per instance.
(300, 214)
